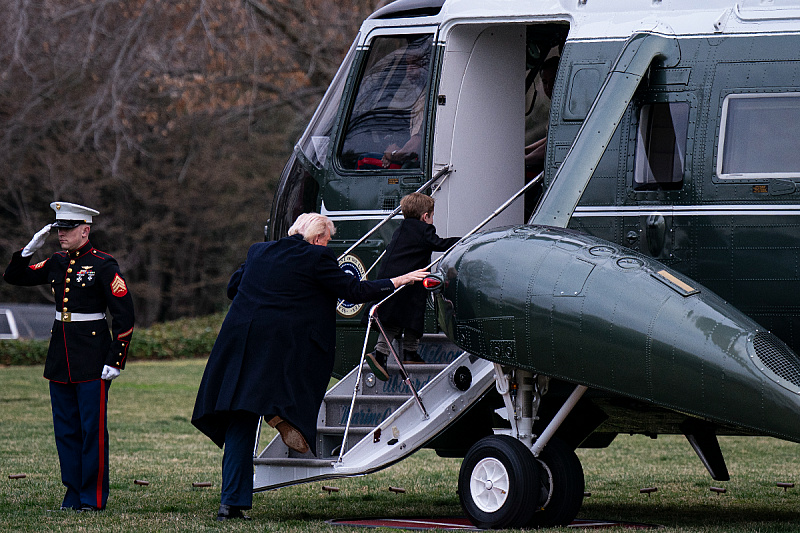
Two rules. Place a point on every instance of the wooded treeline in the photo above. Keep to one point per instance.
(172, 118)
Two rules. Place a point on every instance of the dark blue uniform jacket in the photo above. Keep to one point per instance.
(84, 281)
(275, 352)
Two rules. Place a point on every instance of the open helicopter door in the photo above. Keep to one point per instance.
(480, 123)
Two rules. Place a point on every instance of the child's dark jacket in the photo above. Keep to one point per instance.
(410, 249)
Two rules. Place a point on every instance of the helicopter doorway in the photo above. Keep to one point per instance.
(489, 73)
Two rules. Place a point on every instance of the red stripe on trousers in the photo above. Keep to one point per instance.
(101, 451)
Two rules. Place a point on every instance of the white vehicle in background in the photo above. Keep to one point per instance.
(25, 321)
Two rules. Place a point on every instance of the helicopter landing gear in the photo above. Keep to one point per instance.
(499, 483)
(523, 481)
(561, 480)
(502, 485)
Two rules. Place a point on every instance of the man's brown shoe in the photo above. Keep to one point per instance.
(291, 435)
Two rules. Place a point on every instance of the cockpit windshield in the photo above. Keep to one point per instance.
(385, 127)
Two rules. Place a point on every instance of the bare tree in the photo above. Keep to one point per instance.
(172, 118)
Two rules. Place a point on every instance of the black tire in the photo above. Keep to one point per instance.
(561, 484)
(498, 483)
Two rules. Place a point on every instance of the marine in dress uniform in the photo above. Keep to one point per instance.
(83, 356)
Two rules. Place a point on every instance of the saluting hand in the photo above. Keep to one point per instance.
(37, 241)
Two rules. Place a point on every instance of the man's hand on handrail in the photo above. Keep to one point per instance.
(411, 277)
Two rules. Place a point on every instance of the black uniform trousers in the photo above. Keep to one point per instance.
(237, 460)
(79, 423)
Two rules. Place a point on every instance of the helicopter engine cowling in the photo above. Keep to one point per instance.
(587, 311)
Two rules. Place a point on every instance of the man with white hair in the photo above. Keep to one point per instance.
(83, 356)
(275, 351)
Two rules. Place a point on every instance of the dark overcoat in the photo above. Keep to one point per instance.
(410, 249)
(82, 281)
(275, 351)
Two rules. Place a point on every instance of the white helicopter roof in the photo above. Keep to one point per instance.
(598, 19)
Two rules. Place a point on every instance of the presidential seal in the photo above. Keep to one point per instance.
(353, 266)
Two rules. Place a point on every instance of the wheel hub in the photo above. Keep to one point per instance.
(489, 485)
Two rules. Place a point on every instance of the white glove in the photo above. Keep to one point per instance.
(37, 241)
(109, 373)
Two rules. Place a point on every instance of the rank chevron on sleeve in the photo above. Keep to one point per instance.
(118, 287)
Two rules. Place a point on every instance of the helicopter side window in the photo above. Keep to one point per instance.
(385, 128)
(661, 146)
(759, 135)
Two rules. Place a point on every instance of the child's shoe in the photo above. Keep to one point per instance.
(377, 363)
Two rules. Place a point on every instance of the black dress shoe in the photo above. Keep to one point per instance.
(230, 512)
(88, 509)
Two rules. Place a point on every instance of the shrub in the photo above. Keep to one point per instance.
(23, 352)
(180, 339)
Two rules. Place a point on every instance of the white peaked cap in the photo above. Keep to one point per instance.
(72, 215)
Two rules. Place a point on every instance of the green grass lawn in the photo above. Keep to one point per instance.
(153, 440)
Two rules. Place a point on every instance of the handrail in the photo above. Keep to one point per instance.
(258, 435)
(373, 315)
(485, 221)
(373, 264)
(442, 172)
(355, 393)
(406, 379)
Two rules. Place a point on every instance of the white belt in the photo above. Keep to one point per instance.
(79, 317)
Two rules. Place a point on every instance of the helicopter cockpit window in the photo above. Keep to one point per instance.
(759, 135)
(385, 128)
(661, 146)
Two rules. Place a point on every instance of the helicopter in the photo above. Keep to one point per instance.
(631, 234)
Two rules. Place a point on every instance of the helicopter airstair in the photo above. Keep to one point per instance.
(387, 423)
(364, 424)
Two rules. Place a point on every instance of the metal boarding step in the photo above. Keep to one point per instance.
(387, 424)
